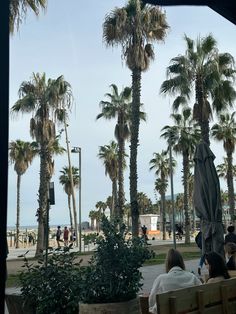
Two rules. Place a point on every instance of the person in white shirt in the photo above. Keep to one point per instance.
(176, 277)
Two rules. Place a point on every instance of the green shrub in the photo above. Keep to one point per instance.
(113, 273)
(54, 289)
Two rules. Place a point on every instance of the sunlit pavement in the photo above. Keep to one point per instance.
(15, 253)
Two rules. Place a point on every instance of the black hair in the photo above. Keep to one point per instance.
(230, 229)
(217, 266)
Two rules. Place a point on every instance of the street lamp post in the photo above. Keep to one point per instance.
(78, 150)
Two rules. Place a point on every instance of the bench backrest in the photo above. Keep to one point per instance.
(212, 298)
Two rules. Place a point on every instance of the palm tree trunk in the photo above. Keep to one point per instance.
(70, 212)
(121, 194)
(43, 199)
(114, 197)
(186, 196)
(72, 186)
(230, 184)
(163, 199)
(200, 116)
(18, 210)
(136, 90)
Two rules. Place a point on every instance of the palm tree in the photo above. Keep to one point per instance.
(21, 154)
(135, 27)
(66, 183)
(109, 155)
(92, 216)
(186, 136)
(42, 98)
(206, 72)
(144, 203)
(222, 169)
(161, 164)
(161, 187)
(225, 131)
(119, 106)
(19, 8)
(62, 117)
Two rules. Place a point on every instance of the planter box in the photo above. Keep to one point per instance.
(15, 303)
(129, 307)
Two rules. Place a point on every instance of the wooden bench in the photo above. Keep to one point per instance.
(213, 298)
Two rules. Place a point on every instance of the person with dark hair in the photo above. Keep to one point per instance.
(58, 236)
(231, 236)
(216, 267)
(176, 277)
(230, 254)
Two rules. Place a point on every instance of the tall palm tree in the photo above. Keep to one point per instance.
(62, 118)
(161, 164)
(118, 106)
(19, 8)
(41, 98)
(21, 154)
(225, 131)
(135, 27)
(109, 155)
(186, 136)
(64, 179)
(207, 73)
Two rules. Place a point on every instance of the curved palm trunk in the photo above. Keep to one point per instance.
(114, 199)
(136, 90)
(204, 124)
(121, 194)
(72, 186)
(230, 184)
(18, 210)
(70, 212)
(163, 199)
(186, 197)
(43, 199)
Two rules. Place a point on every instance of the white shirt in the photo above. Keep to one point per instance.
(176, 278)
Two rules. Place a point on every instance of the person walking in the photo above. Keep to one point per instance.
(58, 236)
(66, 236)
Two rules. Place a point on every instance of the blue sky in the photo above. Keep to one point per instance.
(67, 40)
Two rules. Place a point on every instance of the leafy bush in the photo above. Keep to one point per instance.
(113, 273)
(53, 289)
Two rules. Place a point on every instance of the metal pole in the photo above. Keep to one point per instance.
(172, 195)
(47, 233)
(80, 180)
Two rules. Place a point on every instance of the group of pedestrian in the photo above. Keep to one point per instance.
(65, 236)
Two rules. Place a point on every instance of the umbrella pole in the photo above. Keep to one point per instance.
(172, 195)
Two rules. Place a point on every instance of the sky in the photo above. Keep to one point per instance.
(67, 40)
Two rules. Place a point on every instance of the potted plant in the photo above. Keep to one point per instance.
(112, 279)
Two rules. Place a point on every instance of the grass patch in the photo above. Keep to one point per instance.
(12, 281)
(160, 258)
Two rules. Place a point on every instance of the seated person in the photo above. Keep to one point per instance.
(230, 254)
(216, 267)
(231, 236)
(176, 277)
